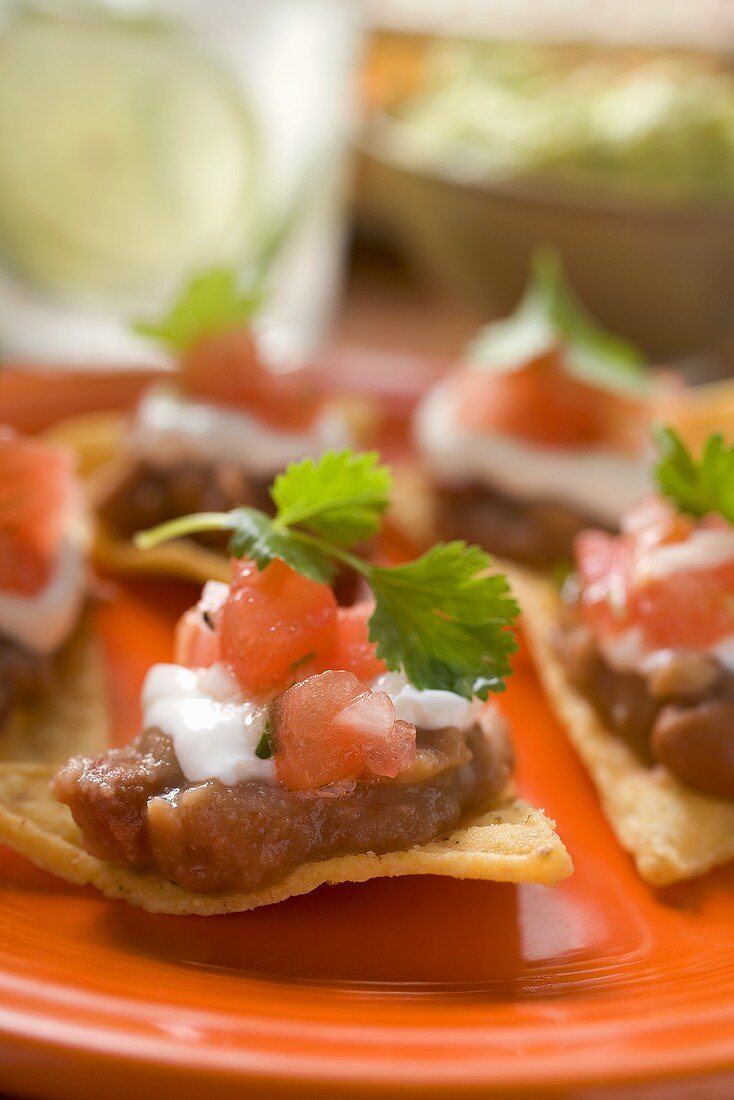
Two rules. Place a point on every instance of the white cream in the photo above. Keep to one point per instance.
(428, 710)
(214, 729)
(43, 621)
(627, 653)
(169, 425)
(598, 482)
(704, 549)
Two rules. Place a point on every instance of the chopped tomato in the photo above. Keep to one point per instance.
(352, 650)
(692, 606)
(328, 729)
(274, 627)
(225, 368)
(196, 640)
(545, 405)
(37, 489)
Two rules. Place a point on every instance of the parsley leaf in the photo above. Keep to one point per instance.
(444, 619)
(341, 497)
(211, 302)
(696, 488)
(550, 316)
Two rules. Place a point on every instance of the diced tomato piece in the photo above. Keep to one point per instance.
(274, 627)
(690, 607)
(328, 729)
(225, 368)
(352, 650)
(547, 406)
(38, 488)
(196, 640)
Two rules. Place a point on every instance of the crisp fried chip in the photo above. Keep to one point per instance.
(68, 719)
(412, 508)
(672, 832)
(183, 558)
(511, 843)
(94, 438)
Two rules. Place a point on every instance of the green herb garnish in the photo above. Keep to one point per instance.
(264, 747)
(550, 316)
(444, 618)
(210, 302)
(697, 488)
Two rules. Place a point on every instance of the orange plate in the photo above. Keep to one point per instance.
(359, 990)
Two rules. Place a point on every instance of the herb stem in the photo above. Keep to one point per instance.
(184, 525)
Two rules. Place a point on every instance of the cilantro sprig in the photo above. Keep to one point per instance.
(445, 618)
(212, 301)
(550, 316)
(697, 488)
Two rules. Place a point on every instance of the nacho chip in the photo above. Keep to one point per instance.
(184, 559)
(412, 510)
(511, 843)
(70, 718)
(672, 832)
(94, 438)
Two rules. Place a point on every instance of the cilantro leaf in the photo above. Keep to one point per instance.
(211, 302)
(550, 316)
(258, 537)
(264, 747)
(445, 620)
(696, 488)
(340, 497)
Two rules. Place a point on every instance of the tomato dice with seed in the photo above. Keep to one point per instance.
(274, 627)
(327, 729)
(38, 488)
(196, 639)
(352, 650)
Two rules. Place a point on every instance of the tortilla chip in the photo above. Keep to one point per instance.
(182, 558)
(511, 843)
(672, 832)
(69, 719)
(94, 438)
(412, 508)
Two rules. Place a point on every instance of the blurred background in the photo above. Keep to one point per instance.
(386, 167)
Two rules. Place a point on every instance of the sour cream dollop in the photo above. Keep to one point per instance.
(430, 709)
(214, 728)
(168, 426)
(597, 481)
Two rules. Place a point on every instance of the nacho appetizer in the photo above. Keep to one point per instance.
(519, 439)
(638, 658)
(50, 691)
(294, 742)
(212, 435)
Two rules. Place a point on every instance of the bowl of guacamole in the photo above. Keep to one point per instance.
(623, 159)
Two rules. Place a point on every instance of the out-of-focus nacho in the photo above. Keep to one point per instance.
(671, 831)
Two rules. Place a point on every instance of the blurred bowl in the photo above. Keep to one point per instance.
(661, 275)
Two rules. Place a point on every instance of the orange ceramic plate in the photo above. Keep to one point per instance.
(359, 990)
